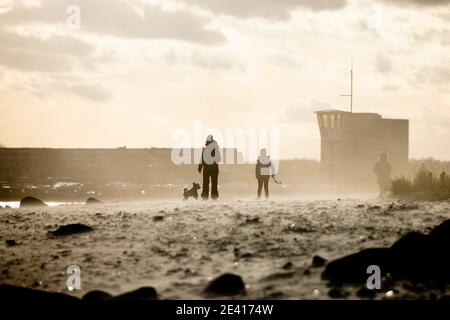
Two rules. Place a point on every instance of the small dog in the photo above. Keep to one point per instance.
(193, 192)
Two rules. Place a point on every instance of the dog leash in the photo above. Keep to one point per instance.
(275, 180)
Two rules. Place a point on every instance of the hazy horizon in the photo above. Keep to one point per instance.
(136, 70)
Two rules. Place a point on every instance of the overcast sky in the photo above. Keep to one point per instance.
(138, 70)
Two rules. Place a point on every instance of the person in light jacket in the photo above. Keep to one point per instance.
(263, 171)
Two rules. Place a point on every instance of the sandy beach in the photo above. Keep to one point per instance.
(179, 246)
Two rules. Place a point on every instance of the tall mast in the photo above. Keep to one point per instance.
(351, 89)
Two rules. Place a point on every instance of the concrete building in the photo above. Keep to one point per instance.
(351, 144)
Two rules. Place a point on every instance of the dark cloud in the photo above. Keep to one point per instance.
(270, 9)
(125, 19)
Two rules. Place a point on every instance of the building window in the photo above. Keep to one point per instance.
(330, 121)
(338, 121)
(325, 119)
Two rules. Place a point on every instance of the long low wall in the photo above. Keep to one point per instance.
(91, 165)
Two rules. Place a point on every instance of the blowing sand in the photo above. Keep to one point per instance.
(177, 246)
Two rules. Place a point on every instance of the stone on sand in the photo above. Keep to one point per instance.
(16, 294)
(70, 229)
(145, 293)
(11, 242)
(28, 202)
(338, 293)
(414, 257)
(97, 295)
(92, 200)
(227, 284)
(318, 262)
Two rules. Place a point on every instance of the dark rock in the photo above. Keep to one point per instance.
(366, 293)
(246, 255)
(31, 202)
(307, 272)
(93, 201)
(15, 294)
(414, 257)
(278, 276)
(145, 293)
(338, 293)
(252, 220)
(353, 268)
(158, 218)
(440, 236)
(318, 261)
(288, 265)
(11, 243)
(97, 295)
(409, 258)
(70, 229)
(226, 285)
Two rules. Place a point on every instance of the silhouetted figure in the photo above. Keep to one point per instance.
(263, 171)
(210, 165)
(443, 178)
(424, 177)
(383, 171)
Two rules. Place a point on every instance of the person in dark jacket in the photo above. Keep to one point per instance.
(209, 163)
(383, 171)
(263, 171)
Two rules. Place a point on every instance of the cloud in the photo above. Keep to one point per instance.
(31, 53)
(123, 19)
(438, 76)
(429, 3)
(90, 92)
(302, 111)
(383, 64)
(282, 61)
(205, 60)
(269, 9)
(431, 34)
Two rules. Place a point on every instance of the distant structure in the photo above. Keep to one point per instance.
(351, 143)
(92, 165)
